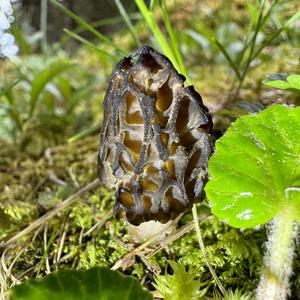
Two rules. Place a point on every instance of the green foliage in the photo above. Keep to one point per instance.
(240, 50)
(181, 285)
(42, 79)
(255, 171)
(88, 27)
(284, 82)
(21, 41)
(225, 246)
(45, 102)
(127, 21)
(94, 284)
(172, 52)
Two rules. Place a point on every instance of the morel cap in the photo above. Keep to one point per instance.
(155, 139)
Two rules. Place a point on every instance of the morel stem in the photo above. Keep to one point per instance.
(274, 281)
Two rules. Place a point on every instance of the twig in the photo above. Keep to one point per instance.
(53, 177)
(135, 251)
(202, 247)
(48, 156)
(73, 177)
(100, 223)
(72, 199)
(79, 246)
(47, 245)
(48, 270)
(130, 261)
(23, 250)
(61, 240)
(6, 270)
(3, 284)
(8, 273)
(34, 268)
(4, 296)
(177, 234)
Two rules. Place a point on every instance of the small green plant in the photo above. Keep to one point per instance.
(169, 46)
(93, 284)
(33, 82)
(104, 39)
(181, 285)
(284, 82)
(44, 101)
(240, 53)
(256, 178)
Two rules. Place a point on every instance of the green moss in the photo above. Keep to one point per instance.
(88, 257)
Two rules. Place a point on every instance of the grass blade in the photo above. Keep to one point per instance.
(253, 42)
(108, 21)
(269, 12)
(291, 20)
(9, 87)
(153, 4)
(150, 19)
(227, 56)
(82, 40)
(88, 27)
(42, 79)
(43, 22)
(127, 21)
(285, 26)
(215, 42)
(24, 45)
(86, 132)
(13, 110)
(173, 39)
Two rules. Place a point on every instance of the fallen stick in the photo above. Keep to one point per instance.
(47, 216)
(168, 240)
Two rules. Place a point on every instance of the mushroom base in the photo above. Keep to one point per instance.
(150, 230)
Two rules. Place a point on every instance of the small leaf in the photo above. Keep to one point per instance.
(94, 284)
(256, 166)
(182, 285)
(43, 78)
(284, 82)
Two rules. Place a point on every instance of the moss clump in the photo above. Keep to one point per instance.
(235, 255)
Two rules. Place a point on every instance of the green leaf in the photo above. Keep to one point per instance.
(284, 82)
(94, 284)
(43, 78)
(255, 172)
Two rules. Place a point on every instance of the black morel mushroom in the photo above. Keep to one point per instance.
(155, 139)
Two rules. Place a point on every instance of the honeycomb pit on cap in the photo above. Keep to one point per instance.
(155, 139)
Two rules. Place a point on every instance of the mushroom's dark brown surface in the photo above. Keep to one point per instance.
(155, 139)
